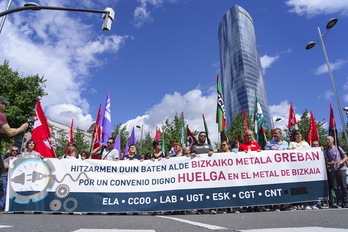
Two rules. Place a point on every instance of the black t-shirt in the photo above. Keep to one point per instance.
(134, 157)
(152, 155)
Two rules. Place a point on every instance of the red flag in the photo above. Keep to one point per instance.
(312, 130)
(71, 136)
(191, 140)
(157, 134)
(97, 132)
(245, 124)
(292, 123)
(41, 134)
(332, 127)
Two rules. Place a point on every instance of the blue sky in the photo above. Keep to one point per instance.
(161, 58)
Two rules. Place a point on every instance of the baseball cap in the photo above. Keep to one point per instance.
(3, 100)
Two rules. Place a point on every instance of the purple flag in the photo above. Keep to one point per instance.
(132, 140)
(105, 120)
(117, 145)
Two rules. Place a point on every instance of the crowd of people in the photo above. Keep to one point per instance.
(335, 158)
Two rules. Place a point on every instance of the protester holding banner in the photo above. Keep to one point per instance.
(177, 149)
(315, 144)
(226, 147)
(186, 151)
(85, 155)
(157, 153)
(30, 153)
(234, 145)
(71, 152)
(277, 142)
(107, 153)
(298, 141)
(202, 147)
(132, 153)
(6, 163)
(335, 157)
(250, 144)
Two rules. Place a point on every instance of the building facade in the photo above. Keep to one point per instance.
(241, 71)
(59, 132)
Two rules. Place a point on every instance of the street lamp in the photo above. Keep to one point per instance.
(141, 137)
(274, 122)
(310, 45)
(108, 13)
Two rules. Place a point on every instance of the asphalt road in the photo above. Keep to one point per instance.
(323, 220)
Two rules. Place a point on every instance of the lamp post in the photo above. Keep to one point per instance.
(4, 18)
(108, 13)
(274, 122)
(141, 137)
(310, 45)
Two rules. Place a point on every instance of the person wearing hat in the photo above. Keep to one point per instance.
(4, 127)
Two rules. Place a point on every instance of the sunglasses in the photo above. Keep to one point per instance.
(109, 143)
(203, 136)
(15, 150)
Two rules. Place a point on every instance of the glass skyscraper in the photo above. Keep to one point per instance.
(241, 71)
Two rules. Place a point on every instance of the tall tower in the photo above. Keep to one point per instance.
(241, 71)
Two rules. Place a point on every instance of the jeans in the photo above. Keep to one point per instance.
(4, 187)
(339, 185)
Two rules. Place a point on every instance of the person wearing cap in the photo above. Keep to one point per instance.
(4, 126)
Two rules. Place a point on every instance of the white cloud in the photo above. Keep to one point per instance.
(282, 111)
(192, 103)
(63, 113)
(61, 47)
(334, 66)
(267, 61)
(329, 94)
(311, 8)
(142, 14)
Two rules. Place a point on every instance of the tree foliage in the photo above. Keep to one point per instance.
(236, 129)
(22, 93)
(145, 145)
(81, 144)
(171, 131)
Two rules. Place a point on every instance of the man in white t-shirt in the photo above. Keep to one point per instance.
(107, 153)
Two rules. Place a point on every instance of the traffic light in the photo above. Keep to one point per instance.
(108, 18)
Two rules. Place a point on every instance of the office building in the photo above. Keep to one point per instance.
(241, 71)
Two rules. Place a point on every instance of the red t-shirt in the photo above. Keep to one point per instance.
(3, 119)
(254, 146)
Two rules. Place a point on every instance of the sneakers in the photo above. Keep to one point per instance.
(313, 207)
(335, 206)
(307, 207)
(213, 211)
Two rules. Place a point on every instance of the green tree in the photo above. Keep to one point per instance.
(171, 131)
(22, 93)
(146, 144)
(237, 127)
(81, 144)
(303, 126)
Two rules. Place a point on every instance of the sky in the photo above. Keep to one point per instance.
(161, 58)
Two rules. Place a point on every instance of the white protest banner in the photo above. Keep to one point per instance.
(178, 183)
